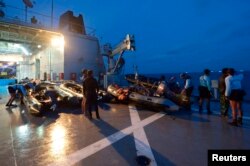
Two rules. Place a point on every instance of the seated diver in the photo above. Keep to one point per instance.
(42, 96)
(173, 85)
(161, 87)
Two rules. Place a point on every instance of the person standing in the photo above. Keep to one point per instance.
(188, 88)
(82, 78)
(224, 103)
(84, 74)
(205, 91)
(90, 90)
(235, 95)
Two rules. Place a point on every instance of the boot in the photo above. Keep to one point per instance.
(226, 112)
(239, 120)
(200, 109)
(208, 109)
(90, 115)
(187, 107)
(233, 123)
(97, 115)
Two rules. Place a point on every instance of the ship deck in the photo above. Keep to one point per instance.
(67, 137)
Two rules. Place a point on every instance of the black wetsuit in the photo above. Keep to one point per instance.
(90, 89)
(224, 103)
(12, 91)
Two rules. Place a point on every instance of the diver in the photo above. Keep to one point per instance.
(90, 90)
(188, 88)
(161, 86)
(13, 91)
(235, 94)
(224, 103)
(82, 78)
(205, 90)
(84, 74)
(173, 85)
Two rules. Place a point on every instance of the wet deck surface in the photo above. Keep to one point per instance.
(67, 137)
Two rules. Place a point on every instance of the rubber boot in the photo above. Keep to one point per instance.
(240, 121)
(90, 114)
(208, 108)
(200, 109)
(97, 114)
(233, 123)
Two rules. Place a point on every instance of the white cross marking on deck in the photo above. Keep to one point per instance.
(141, 142)
(103, 143)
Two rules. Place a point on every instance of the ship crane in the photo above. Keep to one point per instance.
(115, 66)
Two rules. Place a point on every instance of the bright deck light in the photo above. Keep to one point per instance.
(57, 41)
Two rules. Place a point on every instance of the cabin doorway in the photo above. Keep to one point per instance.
(37, 74)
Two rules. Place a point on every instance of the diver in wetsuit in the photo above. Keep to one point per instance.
(205, 90)
(90, 90)
(13, 89)
(224, 103)
(188, 88)
(83, 77)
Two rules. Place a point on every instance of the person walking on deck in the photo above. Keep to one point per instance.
(205, 91)
(224, 103)
(235, 94)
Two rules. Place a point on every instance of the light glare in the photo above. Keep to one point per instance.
(57, 42)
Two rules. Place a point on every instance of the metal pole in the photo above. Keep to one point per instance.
(51, 23)
(50, 63)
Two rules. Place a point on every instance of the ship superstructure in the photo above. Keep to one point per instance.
(48, 54)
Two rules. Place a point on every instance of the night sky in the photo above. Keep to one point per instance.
(171, 36)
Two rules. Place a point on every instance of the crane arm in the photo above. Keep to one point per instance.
(126, 44)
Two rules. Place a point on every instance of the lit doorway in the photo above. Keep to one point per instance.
(37, 75)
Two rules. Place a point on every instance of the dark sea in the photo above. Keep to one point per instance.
(213, 75)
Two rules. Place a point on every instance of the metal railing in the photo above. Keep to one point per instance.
(18, 15)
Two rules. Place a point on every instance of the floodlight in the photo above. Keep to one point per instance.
(57, 41)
